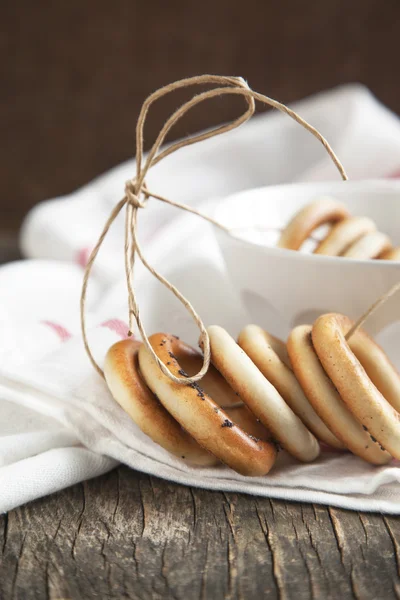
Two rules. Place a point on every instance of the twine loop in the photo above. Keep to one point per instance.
(137, 194)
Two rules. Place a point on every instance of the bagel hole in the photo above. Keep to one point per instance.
(219, 390)
(388, 338)
(316, 237)
(212, 383)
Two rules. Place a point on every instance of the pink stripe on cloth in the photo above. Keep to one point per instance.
(118, 326)
(60, 330)
(394, 175)
(82, 256)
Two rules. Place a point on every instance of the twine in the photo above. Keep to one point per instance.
(373, 308)
(137, 195)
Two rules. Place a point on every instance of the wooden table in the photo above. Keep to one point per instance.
(128, 535)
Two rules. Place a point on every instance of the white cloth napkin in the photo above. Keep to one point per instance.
(58, 422)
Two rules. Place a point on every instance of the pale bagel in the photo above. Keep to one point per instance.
(254, 341)
(344, 234)
(309, 218)
(278, 346)
(325, 399)
(130, 391)
(370, 245)
(197, 412)
(356, 389)
(261, 396)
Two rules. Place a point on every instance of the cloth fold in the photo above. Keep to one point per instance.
(59, 424)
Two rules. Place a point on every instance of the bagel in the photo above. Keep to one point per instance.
(393, 254)
(351, 380)
(261, 396)
(197, 411)
(344, 234)
(220, 391)
(130, 391)
(255, 342)
(325, 399)
(277, 346)
(377, 365)
(370, 245)
(309, 218)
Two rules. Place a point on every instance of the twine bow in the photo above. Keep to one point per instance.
(137, 195)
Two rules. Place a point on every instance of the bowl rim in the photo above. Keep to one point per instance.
(319, 187)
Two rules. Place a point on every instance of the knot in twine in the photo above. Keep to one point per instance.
(132, 197)
(137, 194)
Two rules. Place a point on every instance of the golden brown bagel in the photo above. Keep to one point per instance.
(220, 391)
(261, 396)
(197, 412)
(309, 218)
(378, 367)
(349, 376)
(255, 342)
(325, 399)
(370, 245)
(129, 390)
(344, 234)
(393, 254)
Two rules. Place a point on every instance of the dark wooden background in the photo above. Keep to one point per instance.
(73, 74)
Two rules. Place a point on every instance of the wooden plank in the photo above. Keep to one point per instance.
(128, 535)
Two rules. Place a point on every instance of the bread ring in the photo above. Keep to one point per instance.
(377, 365)
(261, 396)
(349, 376)
(325, 399)
(129, 390)
(220, 391)
(309, 218)
(256, 345)
(277, 346)
(393, 254)
(344, 234)
(370, 245)
(197, 412)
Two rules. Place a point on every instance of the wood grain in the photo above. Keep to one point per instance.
(127, 535)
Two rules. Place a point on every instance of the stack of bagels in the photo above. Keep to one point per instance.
(261, 395)
(349, 237)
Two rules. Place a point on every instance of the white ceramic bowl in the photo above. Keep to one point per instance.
(282, 288)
